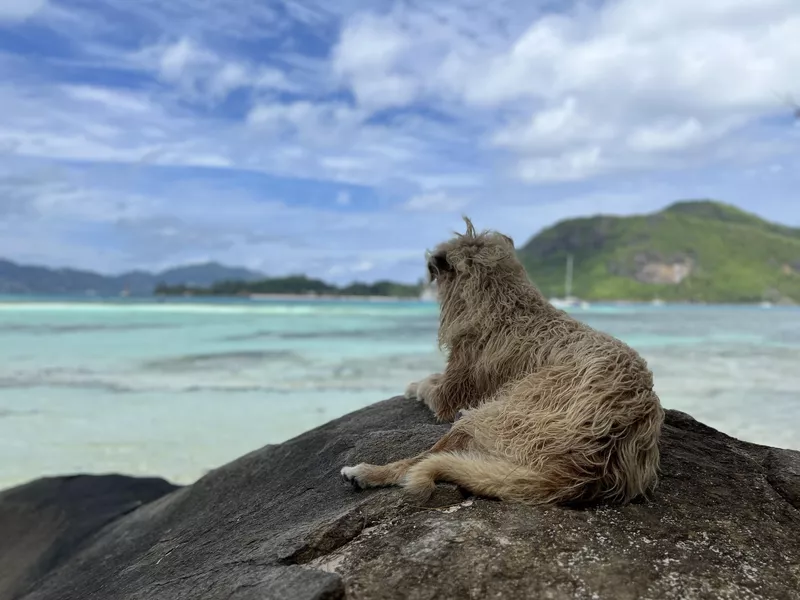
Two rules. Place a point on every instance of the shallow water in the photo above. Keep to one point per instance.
(177, 388)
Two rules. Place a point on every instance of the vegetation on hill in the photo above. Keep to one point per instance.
(294, 285)
(699, 251)
(28, 279)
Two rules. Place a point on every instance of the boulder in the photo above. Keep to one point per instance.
(279, 523)
(44, 522)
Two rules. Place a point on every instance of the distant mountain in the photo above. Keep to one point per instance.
(25, 279)
(702, 251)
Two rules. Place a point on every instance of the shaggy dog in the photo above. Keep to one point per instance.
(547, 410)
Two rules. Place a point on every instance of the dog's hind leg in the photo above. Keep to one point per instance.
(365, 475)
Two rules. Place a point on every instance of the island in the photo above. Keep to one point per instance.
(698, 251)
(296, 285)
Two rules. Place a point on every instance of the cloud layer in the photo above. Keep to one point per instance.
(343, 141)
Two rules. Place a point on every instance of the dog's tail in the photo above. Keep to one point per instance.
(485, 475)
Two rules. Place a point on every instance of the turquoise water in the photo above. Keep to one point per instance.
(177, 388)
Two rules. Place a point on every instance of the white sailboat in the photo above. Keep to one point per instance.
(428, 294)
(568, 301)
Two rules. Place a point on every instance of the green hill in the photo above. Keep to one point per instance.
(700, 251)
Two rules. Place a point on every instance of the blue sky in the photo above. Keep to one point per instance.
(342, 139)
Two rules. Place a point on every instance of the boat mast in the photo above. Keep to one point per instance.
(568, 282)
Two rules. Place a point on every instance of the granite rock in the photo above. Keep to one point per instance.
(279, 523)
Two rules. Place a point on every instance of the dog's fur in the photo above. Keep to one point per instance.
(547, 409)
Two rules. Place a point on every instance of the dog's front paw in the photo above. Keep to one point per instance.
(412, 391)
(354, 476)
(446, 414)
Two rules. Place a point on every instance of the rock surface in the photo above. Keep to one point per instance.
(280, 524)
(46, 521)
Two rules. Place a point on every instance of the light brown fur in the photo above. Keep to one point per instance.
(552, 411)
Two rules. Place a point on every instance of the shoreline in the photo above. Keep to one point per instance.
(320, 297)
(255, 298)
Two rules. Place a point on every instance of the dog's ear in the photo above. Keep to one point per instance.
(437, 263)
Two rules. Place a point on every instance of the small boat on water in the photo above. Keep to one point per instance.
(569, 301)
(428, 294)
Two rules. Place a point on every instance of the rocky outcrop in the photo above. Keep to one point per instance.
(653, 268)
(45, 522)
(280, 524)
(664, 272)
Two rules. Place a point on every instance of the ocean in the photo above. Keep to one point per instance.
(179, 387)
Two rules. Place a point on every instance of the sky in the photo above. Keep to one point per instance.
(343, 139)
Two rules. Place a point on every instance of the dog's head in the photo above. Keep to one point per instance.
(471, 256)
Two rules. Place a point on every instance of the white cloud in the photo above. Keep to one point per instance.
(569, 166)
(447, 104)
(435, 202)
(368, 50)
(622, 79)
(56, 194)
(177, 58)
(553, 128)
(195, 19)
(544, 97)
(666, 136)
(109, 99)
(228, 222)
(150, 230)
(20, 10)
(203, 75)
(313, 122)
